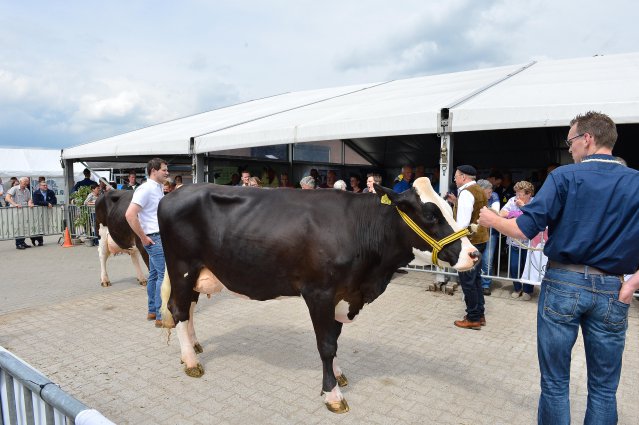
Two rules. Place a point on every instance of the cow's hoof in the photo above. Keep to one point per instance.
(198, 348)
(142, 282)
(337, 406)
(342, 381)
(194, 372)
(105, 284)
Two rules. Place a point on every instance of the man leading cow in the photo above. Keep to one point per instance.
(470, 200)
(143, 218)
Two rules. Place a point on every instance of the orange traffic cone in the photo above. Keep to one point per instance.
(67, 239)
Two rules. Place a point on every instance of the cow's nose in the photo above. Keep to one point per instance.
(475, 255)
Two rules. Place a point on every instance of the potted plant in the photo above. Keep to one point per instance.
(81, 217)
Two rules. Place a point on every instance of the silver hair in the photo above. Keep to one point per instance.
(307, 181)
(340, 184)
(484, 184)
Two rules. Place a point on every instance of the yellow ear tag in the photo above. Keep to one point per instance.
(386, 200)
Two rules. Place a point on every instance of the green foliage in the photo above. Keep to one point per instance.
(77, 199)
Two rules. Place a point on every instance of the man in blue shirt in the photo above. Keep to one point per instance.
(43, 197)
(84, 182)
(591, 210)
(404, 181)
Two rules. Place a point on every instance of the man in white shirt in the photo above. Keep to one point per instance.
(142, 216)
(470, 199)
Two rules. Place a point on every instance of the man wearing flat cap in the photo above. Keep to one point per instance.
(470, 199)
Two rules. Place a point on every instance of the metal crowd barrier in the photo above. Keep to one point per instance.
(28, 397)
(36, 221)
(43, 221)
(82, 221)
(532, 271)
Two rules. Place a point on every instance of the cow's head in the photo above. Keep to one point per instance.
(434, 216)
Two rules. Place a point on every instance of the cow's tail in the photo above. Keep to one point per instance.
(167, 317)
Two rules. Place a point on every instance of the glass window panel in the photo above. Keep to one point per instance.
(354, 158)
(274, 152)
(328, 151)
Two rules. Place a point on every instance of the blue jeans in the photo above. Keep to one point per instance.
(156, 275)
(488, 258)
(470, 283)
(517, 263)
(569, 300)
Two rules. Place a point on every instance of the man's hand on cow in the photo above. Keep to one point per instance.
(487, 217)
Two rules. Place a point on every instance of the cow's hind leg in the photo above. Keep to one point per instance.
(178, 306)
(322, 310)
(135, 259)
(103, 254)
(192, 367)
(189, 347)
(191, 329)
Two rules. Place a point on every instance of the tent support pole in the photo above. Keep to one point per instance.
(197, 163)
(290, 162)
(68, 182)
(444, 121)
(198, 168)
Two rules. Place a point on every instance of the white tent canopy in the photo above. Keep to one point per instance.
(30, 162)
(398, 107)
(173, 137)
(544, 94)
(551, 93)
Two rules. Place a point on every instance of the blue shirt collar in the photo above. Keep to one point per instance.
(600, 156)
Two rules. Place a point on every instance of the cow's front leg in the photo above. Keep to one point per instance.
(103, 254)
(135, 259)
(322, 310)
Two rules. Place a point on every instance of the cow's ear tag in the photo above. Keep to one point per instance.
(386, 200)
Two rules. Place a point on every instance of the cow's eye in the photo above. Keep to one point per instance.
(429, 217)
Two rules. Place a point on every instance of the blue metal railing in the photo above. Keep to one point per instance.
(28, 397)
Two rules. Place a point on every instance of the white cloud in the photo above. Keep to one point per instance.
(74, 71)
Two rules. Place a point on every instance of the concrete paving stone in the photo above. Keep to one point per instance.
(403, 356)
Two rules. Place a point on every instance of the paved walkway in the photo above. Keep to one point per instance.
(405, 360)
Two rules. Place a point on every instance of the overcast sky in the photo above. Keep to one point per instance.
(76, 71)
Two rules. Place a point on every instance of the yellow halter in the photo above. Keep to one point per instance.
(436, 245)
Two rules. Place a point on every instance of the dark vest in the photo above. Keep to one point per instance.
(481, 235)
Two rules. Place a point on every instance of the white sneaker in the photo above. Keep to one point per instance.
(515, 295)
(526, 297)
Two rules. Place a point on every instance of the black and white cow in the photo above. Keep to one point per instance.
(116, 236)
(337, 250)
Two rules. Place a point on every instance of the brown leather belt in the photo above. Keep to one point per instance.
(579, 268)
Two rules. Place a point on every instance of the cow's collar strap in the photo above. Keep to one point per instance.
(436, 245)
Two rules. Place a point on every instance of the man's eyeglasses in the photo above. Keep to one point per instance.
(569, 141)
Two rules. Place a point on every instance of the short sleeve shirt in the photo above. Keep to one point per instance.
(148, 196)
(20, 196)
(514, 211)
(493, 201)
